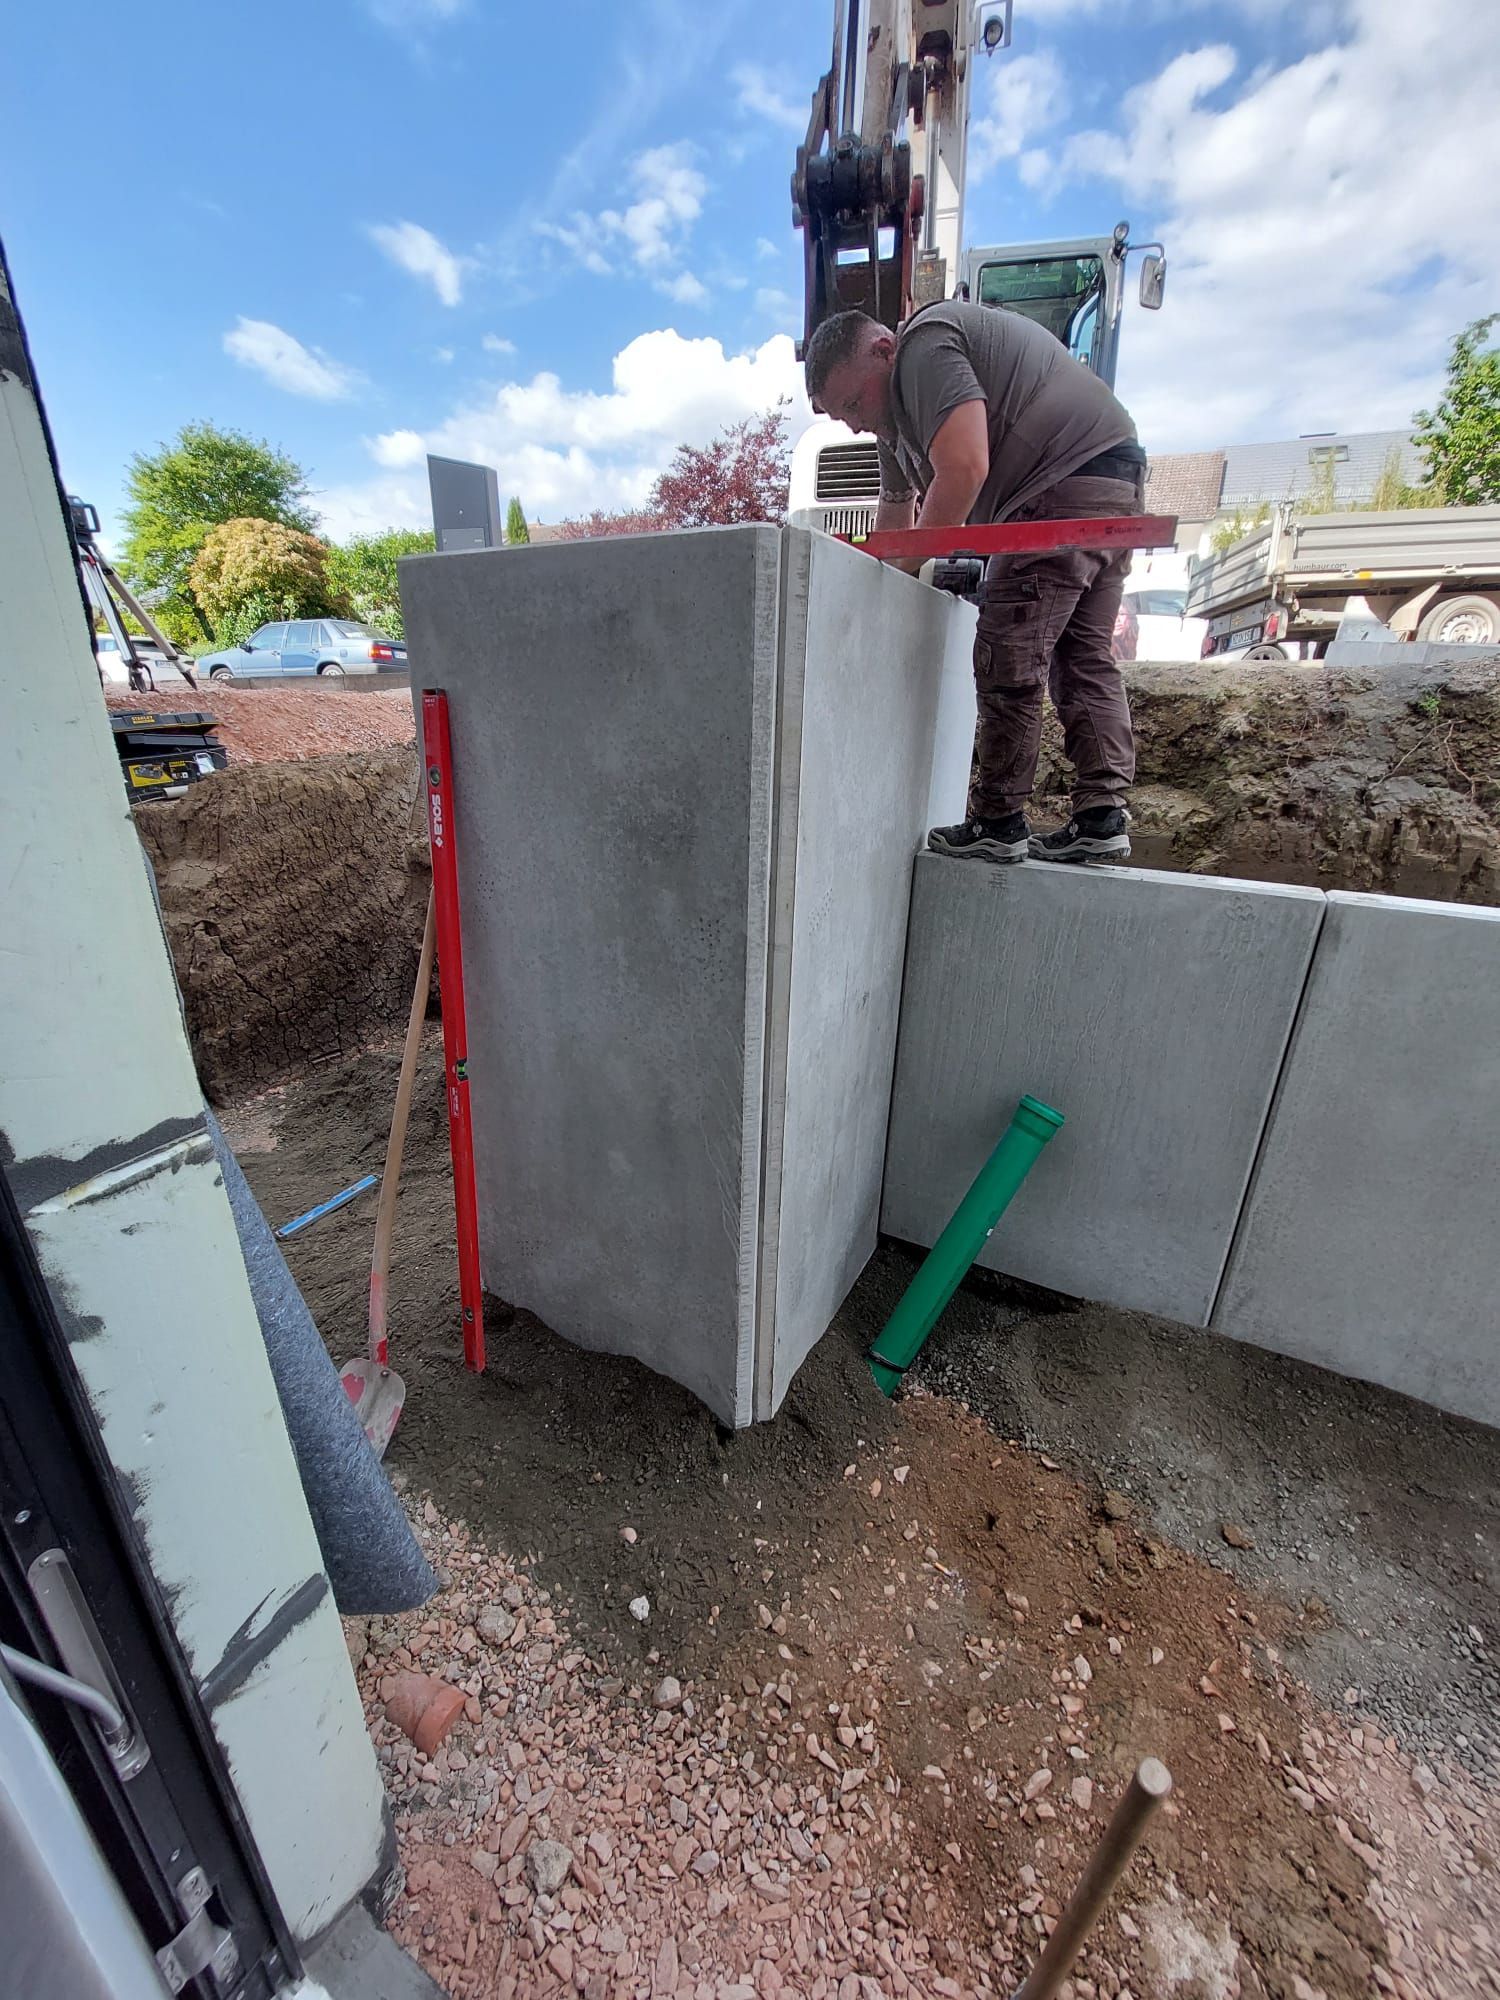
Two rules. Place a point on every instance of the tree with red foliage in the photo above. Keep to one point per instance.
(585, 526)
(741, 475)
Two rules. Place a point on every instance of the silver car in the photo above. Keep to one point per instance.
(334, 646)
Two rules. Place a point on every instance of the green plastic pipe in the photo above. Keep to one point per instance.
(947, 1262)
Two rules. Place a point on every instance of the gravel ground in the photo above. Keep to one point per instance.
(924, 1645)
(269, 724)
(1376, 1514)
(706, 1844)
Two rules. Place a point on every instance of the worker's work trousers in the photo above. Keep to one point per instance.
(1046, 622)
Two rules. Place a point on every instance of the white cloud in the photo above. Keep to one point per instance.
(397, 448)
(779, 308)
(670, 199)
(685, 289)
(418, 251)
(412, 16)
(443, 355)
(651, 231)
(569, 451)
(284, 361)
(1321, 257)
(1020, 97)
(764, 247)
(581, 236)
(495, 343)
(757, 93)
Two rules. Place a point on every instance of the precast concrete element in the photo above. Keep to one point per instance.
(690, 772)
(1369, 1238)
(1154, 1008)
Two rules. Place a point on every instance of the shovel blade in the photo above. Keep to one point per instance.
(378, 1395)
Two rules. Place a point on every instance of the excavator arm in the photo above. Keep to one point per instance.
(878, 235)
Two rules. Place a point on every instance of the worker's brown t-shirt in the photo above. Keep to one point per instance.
(1048, 414)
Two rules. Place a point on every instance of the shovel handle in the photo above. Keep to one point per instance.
(385, 1214)
(1149, 1786)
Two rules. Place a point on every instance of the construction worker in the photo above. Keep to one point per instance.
(983, 416)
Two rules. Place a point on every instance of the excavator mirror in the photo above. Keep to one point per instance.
(1153, 280)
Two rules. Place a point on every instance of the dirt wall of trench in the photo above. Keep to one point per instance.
(293, 897)
(293, 892)
(1385, 780)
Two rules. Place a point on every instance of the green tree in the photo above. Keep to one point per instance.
(516, 530)
(206, 477)
(284, 571)
(1243, 521)
(1461, 436)
(1393, 490)
(364, 571)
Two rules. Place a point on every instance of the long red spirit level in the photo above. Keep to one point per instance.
(1007, 538)
(438, 763)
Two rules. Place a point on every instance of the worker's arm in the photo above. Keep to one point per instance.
(894, 513)
(960, 459)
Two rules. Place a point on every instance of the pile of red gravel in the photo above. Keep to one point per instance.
(264, 725)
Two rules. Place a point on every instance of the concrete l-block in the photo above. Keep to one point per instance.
(1153, 1010)
(1368, 1243)
(690, 772)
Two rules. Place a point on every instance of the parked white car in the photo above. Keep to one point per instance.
(115, 670)
(1163, 631)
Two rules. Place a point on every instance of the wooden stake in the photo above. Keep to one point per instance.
(1110, 1859)
(385, 1215)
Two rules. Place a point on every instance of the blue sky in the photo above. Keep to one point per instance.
(367, 228)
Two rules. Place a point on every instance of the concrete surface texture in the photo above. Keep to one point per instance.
(866, 664)
(1153, 1010)
(690, 771)
(1368, 1239)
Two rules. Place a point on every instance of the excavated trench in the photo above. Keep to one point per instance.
(293, 892)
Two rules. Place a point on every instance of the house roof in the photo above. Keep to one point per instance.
(1185, 484)
(1289, 471)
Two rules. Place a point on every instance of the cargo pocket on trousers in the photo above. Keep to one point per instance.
(1011, 602)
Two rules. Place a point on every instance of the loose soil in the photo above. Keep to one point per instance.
(294, 891)
(1385, 780)
(922, 1657)
(293, 897)
(1345, 1494)
(272, 724)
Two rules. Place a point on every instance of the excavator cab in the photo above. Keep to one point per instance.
(1074, 289)
(1063, 294)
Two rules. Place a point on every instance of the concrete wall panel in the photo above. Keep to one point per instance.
(1152, 1009)
(1368, 1242)
(865, 658)
(690, 773)
(612, 707)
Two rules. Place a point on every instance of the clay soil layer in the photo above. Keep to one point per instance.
(1386, 779)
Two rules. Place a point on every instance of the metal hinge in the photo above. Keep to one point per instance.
(201, 1945)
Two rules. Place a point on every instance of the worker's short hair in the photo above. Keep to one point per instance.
(836, 341)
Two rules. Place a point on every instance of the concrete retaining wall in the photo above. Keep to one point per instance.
(690, 774)
(1370, 1242)
(1153, 1010)
(1283, 1108)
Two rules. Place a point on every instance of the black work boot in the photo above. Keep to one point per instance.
(1003, 839)
(1098, 833)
